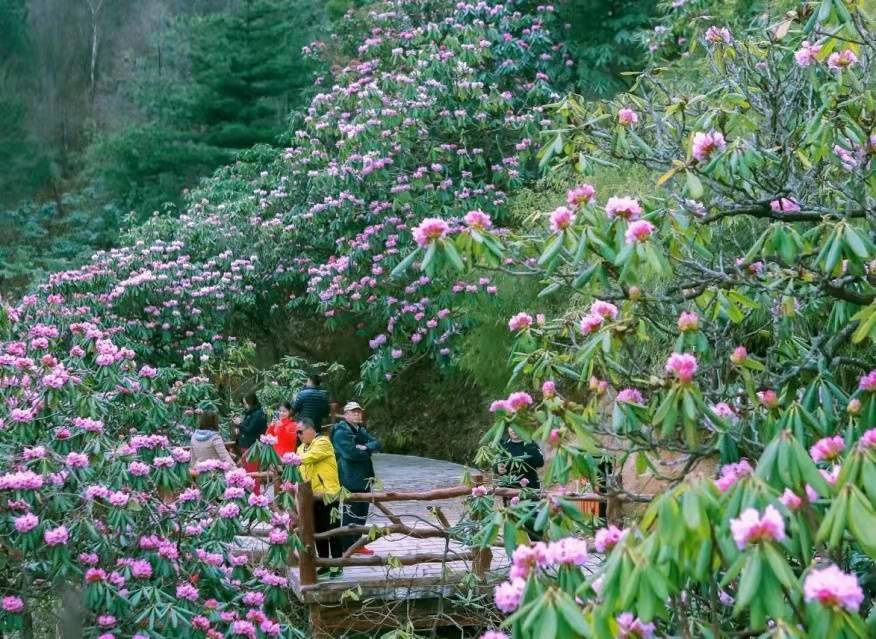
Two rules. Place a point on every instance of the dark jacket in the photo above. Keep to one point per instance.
(312, 403)
(252, 427)
(521, 460)
(354, 465)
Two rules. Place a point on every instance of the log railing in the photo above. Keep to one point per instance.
(481, 558)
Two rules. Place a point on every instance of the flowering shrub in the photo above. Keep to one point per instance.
(724, 319)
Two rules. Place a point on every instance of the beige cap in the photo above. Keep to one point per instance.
(351, 406)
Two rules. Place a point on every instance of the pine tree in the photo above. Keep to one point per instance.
(218, 84)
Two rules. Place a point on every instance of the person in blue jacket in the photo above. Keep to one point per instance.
(353, 447)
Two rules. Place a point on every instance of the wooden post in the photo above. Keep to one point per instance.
(306, 560)
(483, 557)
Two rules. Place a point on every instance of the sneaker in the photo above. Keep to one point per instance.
(334, 573)
(322, 572)
(364, 550)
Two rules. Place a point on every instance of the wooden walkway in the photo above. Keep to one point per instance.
(403, 473)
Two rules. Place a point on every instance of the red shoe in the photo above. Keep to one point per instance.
(364, 550)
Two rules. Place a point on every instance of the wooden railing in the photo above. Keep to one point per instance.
(309, 561)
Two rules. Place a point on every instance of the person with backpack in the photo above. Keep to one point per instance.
(353, 446)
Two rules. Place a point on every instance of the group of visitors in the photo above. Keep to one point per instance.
(333, 455)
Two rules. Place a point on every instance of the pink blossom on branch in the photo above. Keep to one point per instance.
(827, 448)
(508, 595)
(604, 309)
(625, 207)
(520, 322)
(638, 232)
(832, 587)
(477, 219)
(732, 473)
(581, 194)
(784, 205)
(561, 219)
(807, 54)
(682, 365)
(630, 396)
(631, 627)
(688, 321)
(705, 144)
(430, 230)
(718, 35)
(590, 323)
(750, 527)
(627, 116)
(739, 355)
(868, 382)
(608, 538)
(842, 60)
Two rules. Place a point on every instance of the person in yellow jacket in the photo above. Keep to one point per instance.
(320, 468)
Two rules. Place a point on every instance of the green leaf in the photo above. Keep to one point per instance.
(453, 256)
(553, 248)
(405, 263)
(694, 186)
(572, 615)
(749, 582)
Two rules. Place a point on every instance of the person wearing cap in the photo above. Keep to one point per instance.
(353, 447)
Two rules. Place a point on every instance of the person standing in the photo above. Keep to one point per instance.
(253, 425)
(320, 468)
(519, 461)
(353, 447)
(285, 429)
(312, 402)
(207, 443)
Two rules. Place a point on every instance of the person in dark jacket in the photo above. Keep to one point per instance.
(518, 462)
(253, 425)
(312, 402)
(353, 448)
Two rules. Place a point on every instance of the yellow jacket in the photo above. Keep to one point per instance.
(319, 467)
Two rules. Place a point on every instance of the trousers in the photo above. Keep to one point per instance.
(322, 521)
(355, 514)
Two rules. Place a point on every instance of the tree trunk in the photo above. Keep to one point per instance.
(94, 6)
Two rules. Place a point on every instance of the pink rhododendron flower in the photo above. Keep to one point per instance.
(477, 219)
(830, 476)
(608, 538)
(807, 54)
(500, 405)
(841, 60)
(868, 382)
(604, 309)
(791, 500)
(638, 232)
(26, 523)
(596, 385)
(854, 406)
(549, 389)
(868, 440)
(568, 551)
(832, 587)
(718, 35)
(630, 396)
(688, 321)
(590, 323)
(705, 144)
(479, 491)
(106, 621)
(624, 207)
(508, 595)
(582, 194)
(768, 398)
(739, 355)
(627, 116)
(291, 459)
(682, 365)
(750, 527)
(519, 400)
(731, 473)
(630, 627)
(520, 322)
(784, 205)
(430, 230)
(494, 634)
(56, 536)
(13, 604)
(561, 218)
(526, 559)
(827, 448)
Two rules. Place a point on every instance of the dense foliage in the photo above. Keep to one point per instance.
(724, 316)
